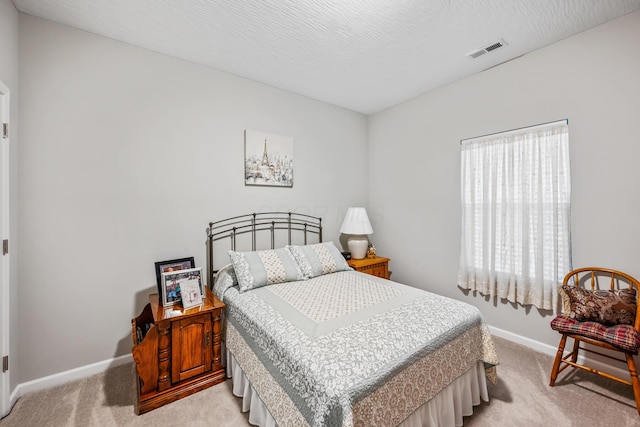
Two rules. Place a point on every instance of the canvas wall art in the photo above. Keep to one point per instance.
(268, 159)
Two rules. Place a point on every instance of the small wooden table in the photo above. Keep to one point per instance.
(376, 266)
(177, 352)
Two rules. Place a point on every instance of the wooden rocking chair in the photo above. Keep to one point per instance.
(605, 318)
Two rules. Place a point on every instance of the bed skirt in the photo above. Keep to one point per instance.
(445, 409)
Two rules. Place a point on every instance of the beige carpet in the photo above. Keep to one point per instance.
(520, 398)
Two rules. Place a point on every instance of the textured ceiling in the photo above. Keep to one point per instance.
(364, 55)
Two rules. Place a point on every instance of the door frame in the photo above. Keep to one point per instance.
(4, 259)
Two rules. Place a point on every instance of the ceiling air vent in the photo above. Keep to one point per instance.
(491, 47)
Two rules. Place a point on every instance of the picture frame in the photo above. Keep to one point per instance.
(171, 265)
(268, 159)
(172, 281)
(190, 294)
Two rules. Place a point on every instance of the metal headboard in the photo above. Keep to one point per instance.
(253, 224)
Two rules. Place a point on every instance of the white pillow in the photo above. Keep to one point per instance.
(225, 279)
(321, 258)
(262, 268)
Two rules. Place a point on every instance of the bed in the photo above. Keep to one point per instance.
(309, 341)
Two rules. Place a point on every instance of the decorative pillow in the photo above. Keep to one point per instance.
(609, 307)
(262, 268)
(321, 258)
(566, 301)
(225, 279)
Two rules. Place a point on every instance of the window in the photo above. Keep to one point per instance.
(516, 237)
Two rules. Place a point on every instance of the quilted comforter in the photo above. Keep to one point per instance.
(350, 349)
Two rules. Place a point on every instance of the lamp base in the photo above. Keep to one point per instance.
(358, 245)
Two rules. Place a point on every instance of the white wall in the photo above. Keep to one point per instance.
(592, 79)
(9, 76)
(126, 156)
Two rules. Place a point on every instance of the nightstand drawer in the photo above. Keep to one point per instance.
(377, 266)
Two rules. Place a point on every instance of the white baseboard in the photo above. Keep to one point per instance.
(538, 346)
(551, 351)
(66, 376)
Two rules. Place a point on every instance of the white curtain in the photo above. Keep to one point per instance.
(516, 191)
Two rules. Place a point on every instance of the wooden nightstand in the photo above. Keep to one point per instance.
(377, 266)
(177, 352)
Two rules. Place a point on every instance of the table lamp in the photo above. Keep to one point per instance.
(356, 222)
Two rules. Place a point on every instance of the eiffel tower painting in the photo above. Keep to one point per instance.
(268, 159)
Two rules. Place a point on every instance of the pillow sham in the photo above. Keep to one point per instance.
(262, 268)
(225, 279)
(609, 307)
(321, 258)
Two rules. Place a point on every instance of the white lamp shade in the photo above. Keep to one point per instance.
(356, 221)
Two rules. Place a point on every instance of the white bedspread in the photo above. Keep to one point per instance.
(351, 349)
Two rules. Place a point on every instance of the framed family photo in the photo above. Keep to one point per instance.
(170, 266)
(173, 281)
(268, 159)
